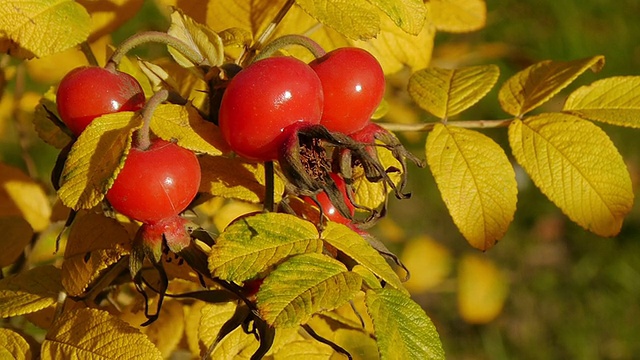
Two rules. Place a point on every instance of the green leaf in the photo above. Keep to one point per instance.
(253, 244)
(41, 28)
(304, 285)
(95, 334)
(356, 247)
(614, 100)
(458, 15)
(96, 159)
(575, 164)
(538, 83)
(402, 328)
(446, 92)
(14, 346)
(199, 38)
(368, 277)
(476, 180)
(355, 19)
(29, 291)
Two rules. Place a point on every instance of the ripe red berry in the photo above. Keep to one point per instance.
(156, 183)
(88, 92)
(328, 208)
(353, 85)
(265, 98)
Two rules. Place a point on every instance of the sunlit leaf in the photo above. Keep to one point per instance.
(185, 125)
(356, 19)
(458, 15)
(615, 100)
(47, 130)
(361, 345)
(96, 159)
(96, 334)
(575, 164)
(214, 318)
(357, 248)
(191, 325)
(538, 83)
(447, 92)
(232, 211)
(429, 262)
(16, 235)
(23, 197)
(402, 328)
(374, 194)
(198, 38)
(166, 74)
(482, 289)
(476, 180)
(368, 277)
(304, 285)
(109, 15)
(247, 14)
(166, 332)
(40, 28)
(95, 243)
(14, 346)
(29, 291)
(253, 244)
(304, 349)
(409, 15)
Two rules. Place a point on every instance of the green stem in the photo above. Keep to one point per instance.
(469, 124)
(155, 37)
(269, 186)
(314, 48)
(266, 34)
(144, 137)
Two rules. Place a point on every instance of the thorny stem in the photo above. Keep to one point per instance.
(314, 48)
(470, 124)
(269, 181)
(144, 139)
(248, 55)
(88, 53)
(154, 37)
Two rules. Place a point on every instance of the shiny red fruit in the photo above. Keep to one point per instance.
(157, 183)
(88, 92)
(353, 86)
(265, 98)
(328, 209)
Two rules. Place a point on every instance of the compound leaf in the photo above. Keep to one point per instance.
(447, 92)
(96, 159)
(14, 346)
(538, 83)
(614, 100)
(304, 285)
(96, 334)
(403, 329)
(41, 28)
(356, 247)
(458, 15)
(575, 164)
(29, 291)
(476, 180)
(253, 244)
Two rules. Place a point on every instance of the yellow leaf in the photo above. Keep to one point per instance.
(96, 159)
(482, 289)
(22, 196)
(575, 164)
(361, 345)
(458, 15)
(96, 334)
(538, 83)
(166, 332)
(109, 15)
(615, 100)
(447, 92)
(213, 319)
(370, 194)
(198, 38)
(167, 74)
(29, 291)
(185, 125)
(16, 235)
(232, 211)
(47, 130)
(409, 15)
(191, 325)
(14, 346)
(304, 349)
(476, 180)
(356, 19)
(429, 262)
(368, 277)
(89, 250)
(234, 178)
(246, 14)
(41, 28)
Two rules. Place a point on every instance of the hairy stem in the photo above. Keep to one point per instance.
(154, 37)
(469, 124)
(88, 53)
(314, 48)
(144, 138)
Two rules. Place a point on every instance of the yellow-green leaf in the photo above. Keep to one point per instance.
(482, 289)
(304, 349)
(355, 19)
(40, 28)
(166, 332)
(29, 291)
(374, 194)
(253, 244)
(22, 196)
(409, 15)
(447, 92)
(198, 38)
(304, 285)
(368, 278)
(458, 15)
(96, 334)
(361, 345)
(185, 125)
(96, 159)
(402, 328)
(234, 178)
(13, 346)
(356, 247)
(95, 243)
(16, 235)
(476, 180)
(46, 129)
(538, 83)
(615, 100)
(213, 318)
(575, 164)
